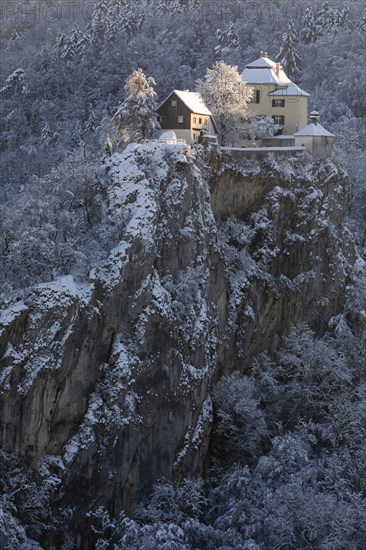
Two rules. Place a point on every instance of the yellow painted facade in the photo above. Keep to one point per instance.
(275, 96)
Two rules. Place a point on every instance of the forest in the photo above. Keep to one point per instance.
(62, 79)
(287, 455)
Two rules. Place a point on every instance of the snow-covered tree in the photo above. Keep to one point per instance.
(76, 135)
(90, 125)
(108, 147)
(99, 20)
(325, 19)
(227, 42)
(240, 427)
(173, 6)
(13, 37)
(82, 44)
(362, 24)
(309, 32)
(345, 15)
(15, 84)
(137, 112)
(259, 126)
(46, 134)
(288, 56)
(226, 95)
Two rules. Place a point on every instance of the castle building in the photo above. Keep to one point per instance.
(275, 95)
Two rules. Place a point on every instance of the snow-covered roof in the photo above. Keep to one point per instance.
(261, 62)
(264, 71)
(314, 130)
(259, 76)
(192, 100)
(290, 89)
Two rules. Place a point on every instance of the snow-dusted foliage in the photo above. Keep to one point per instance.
(104, 408)
(288, 55)
(309, 31)
(303, 485)
(259, 126)
(226, 95)
(137, 113)
(228, 41)
(54, 226)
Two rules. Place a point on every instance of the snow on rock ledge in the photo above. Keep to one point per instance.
(113, 377)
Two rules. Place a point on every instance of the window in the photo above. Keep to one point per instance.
(256, 97)
(194, 135)
(174, 103)
(200, 120)
(278, 119)
(278, 102)
(162, 119)
(206, 121)
(180, 119)
(194, 120)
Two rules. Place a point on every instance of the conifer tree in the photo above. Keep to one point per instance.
(90, 125)
(15, 84)
(362, 24)
(309, 32)
(13, 37)
(46, 134)
(172, 6)
(137, 112)
(108, 147)
(288, 56)
(227, 42)
(99, 21)
(345, 15)
(76, 140)
(325, 19)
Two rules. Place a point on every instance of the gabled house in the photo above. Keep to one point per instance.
(275, 95)
(186, 114)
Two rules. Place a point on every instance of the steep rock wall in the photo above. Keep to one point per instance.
(105, 385)
(282, 223)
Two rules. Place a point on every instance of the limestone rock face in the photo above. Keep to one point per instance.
(105, 385)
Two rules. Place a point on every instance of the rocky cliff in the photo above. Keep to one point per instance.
(105, 384)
